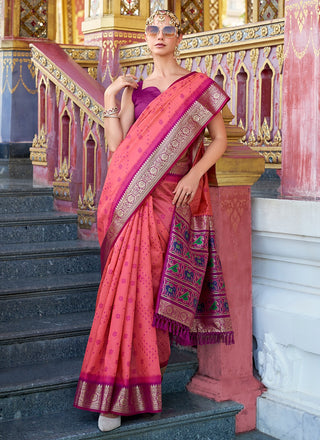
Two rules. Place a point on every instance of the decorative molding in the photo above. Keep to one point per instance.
(212, 42)
(62, 179)
(269, 148)
(87, 210)
(234, 207)
(16, 69)
(83, 55)
(38, 150)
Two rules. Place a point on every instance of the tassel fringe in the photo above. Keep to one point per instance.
(183, 336)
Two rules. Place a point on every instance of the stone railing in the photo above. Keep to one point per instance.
(69, 151)
(247, 62)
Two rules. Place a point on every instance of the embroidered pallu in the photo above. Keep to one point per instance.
(138, 234)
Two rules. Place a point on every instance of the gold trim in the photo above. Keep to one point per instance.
(38, 151)
(86, 210)
(62, 179)
(110, 22)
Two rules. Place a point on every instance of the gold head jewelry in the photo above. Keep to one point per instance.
(161, 15)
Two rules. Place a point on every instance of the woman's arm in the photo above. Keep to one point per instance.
(188, 185)
(117, 125)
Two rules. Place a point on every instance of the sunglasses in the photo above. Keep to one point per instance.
(167, 31)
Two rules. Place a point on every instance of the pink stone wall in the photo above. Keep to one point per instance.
(301, 101)
(226, 372)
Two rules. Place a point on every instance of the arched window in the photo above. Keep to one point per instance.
(242, 79)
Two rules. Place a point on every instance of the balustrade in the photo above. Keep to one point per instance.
(69, 151)
(247, 63)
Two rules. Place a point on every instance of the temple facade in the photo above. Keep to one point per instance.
(57, 57)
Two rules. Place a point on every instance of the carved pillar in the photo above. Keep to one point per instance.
(110, 24)
(20, 24)
(301, 94)
(226, 372)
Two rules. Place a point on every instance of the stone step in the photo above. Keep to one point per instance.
(27, 298)
(38, 227)
(28, 341)
(253, 435)
(39, 389)
(21, 196)
(185, 416)
(48, 258)
(16, 168)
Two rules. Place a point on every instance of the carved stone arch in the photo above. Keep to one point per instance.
(242, 79)
(65, 122)
(220, 77)
(90, 147)
(42, 104)
(266, 93)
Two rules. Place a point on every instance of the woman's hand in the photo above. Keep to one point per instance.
(116, 127)
(118, 84)
(186, 189)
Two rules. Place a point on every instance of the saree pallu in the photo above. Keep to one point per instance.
(129, 341)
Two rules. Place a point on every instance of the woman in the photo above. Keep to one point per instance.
(161, 273)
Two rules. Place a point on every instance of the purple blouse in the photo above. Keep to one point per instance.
(141, 98)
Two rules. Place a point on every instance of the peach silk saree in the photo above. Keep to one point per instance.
(161, 274)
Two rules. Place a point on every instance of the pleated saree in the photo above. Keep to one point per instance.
(161, 274)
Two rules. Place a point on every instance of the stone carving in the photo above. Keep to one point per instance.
(278, 365)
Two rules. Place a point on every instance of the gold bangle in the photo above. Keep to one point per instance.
(111, 116)
(110, 112)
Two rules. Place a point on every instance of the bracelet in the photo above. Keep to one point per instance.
(111, 116)
(111, 111)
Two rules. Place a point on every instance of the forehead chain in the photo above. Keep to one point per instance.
(161, 15)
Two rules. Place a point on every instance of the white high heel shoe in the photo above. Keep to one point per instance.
(108, 423)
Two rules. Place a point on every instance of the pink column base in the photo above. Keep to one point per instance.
(244, 390)
(226, 372)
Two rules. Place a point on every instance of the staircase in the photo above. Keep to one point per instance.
(48, 284)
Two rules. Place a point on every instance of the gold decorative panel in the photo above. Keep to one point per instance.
(62, 179)
(87, 210)
(130, 7)
(268, 9)
(33, 18)
(214, 15)
(192, 16)
(249, 11)
(38, 151)
(264, 10)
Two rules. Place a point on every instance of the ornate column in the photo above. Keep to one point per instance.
(301, 94)
(226, 372)
(20, 25)
(110, 24)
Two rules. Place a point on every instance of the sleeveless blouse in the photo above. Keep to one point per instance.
(141, 98)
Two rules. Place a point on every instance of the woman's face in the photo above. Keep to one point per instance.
(162, 37)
